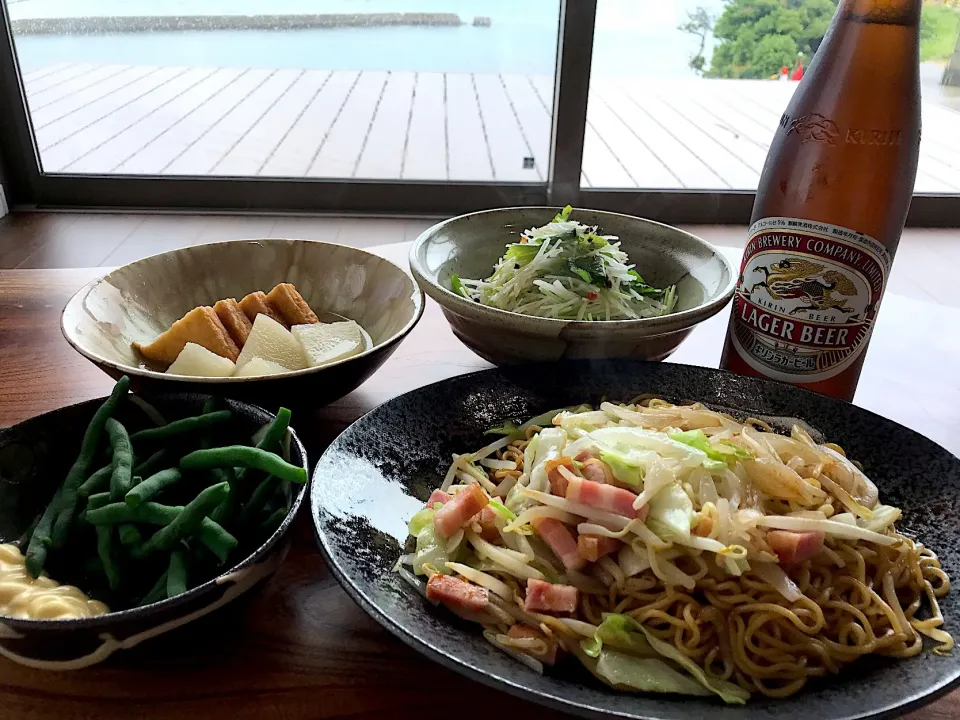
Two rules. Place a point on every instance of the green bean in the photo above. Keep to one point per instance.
(152, 464)
(271, 440)
(97, 501)
(226, 511)
(217, 540)
(275, 520)
(239, 486)
(276, 431)
(81, 466)
(130, 534)
(96, 482)
(177, 574)
(152, 486)
(244, 456)
(121, 478)
(187, 522)
(105, 551)
(210, 405)
(182, 427)
(154, 415)
(258, 500)
(157, 593)
(40, 540)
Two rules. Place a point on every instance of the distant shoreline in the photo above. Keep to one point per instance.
(150, 23)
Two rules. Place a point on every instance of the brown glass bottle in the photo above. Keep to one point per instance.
(831, 204)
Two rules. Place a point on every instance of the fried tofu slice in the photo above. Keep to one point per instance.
(256, 303)
(201, 326)
(234, 320)
(291, 305)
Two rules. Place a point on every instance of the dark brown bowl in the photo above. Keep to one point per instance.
(34, 458)
(139, 301)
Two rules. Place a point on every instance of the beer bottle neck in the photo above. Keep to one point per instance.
(884, 12)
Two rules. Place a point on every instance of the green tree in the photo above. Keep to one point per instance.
(939, 26)
(758, 37)
(700, 24)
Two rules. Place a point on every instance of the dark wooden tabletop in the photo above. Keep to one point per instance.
(302, 648)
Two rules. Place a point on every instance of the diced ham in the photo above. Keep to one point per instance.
(438, 496)
(487, 519)
(597, 471)
(594, 547)
(794, 547)
(544, 597)
(459, 510)
(558, 483)
(561, 541)
(604, 497)
(458, 595)
(525, 631)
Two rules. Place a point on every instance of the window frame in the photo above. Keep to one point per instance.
(27, 186)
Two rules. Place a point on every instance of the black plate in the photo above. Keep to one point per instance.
(382, 468)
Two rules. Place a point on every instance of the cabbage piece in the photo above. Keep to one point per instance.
(719, 452)
(550, 443)
(419, 521)
(624, 629)
(671, 513)
(628, 672)
(502, 510)
(618, 631)
(883, 516)
(637, 438)
(625, 466)
(508, 428)
(431, 550)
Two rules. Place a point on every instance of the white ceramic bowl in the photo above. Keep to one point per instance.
(139, 301)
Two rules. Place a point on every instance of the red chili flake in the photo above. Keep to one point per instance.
(592, 296)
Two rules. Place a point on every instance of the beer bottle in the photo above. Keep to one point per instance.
(831, 204)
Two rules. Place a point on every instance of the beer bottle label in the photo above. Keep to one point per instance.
(807, 298)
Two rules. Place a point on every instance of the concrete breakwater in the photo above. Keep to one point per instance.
(149, 23)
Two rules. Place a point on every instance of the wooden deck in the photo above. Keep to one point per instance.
(643, 133)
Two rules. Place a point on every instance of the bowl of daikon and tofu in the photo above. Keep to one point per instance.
(270, 321)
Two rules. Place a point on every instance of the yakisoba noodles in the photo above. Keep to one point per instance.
(674, 549)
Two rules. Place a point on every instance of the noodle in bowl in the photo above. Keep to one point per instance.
(675, 549)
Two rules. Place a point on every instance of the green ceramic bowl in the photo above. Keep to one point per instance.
(139, 301)
(470, 245)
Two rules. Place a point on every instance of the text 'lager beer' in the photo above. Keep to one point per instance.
(831, 204)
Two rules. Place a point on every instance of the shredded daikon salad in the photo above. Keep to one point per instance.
(566, 270)
(674, 549)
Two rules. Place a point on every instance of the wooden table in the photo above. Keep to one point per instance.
(302, 648)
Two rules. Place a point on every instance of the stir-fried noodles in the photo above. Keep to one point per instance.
(674, 549)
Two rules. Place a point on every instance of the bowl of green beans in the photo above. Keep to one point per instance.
(126, 517)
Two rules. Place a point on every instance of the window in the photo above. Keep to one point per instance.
(687, 95)
(368, 89)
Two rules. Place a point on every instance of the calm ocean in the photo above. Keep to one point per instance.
(634, 37)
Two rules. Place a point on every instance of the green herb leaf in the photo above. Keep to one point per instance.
(523, 253)
(564, 214)
(457, 286)
(592, 265)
